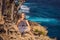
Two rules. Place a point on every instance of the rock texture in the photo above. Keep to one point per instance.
(9, 31)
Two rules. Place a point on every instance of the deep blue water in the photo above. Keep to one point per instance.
(46, 13)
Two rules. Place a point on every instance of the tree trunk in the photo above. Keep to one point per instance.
(7, 12)
(1, 17)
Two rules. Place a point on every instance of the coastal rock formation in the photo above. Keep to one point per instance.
(11, 32)
(8, 27)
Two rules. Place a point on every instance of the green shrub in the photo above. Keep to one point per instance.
(36, 30)
(39, 32)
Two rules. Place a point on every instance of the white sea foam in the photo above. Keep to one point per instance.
(43, 19)
(24, 8)
(27, 16)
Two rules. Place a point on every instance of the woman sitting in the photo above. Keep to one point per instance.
(23, 25)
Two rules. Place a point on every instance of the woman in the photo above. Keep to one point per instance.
(23, 25)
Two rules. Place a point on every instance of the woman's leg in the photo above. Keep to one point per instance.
(31, 35)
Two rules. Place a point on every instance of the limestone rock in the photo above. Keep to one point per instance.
(10, 31)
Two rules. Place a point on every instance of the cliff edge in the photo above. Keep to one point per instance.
(9, 31)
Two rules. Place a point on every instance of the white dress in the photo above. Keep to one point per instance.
(23, 27)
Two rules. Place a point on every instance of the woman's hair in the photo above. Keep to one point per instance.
(20, 15)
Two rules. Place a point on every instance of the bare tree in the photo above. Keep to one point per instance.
(10, 9)
(1, 17)
(8, 14)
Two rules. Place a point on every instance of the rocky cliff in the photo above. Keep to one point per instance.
(8, 28)
(9, 31)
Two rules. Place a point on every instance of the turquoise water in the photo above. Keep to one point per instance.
(46, 13)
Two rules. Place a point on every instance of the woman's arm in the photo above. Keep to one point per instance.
(28, 23)
(18, 22)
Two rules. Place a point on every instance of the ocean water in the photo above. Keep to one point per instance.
(46, 13)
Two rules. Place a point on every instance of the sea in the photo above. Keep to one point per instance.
(46, 13)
